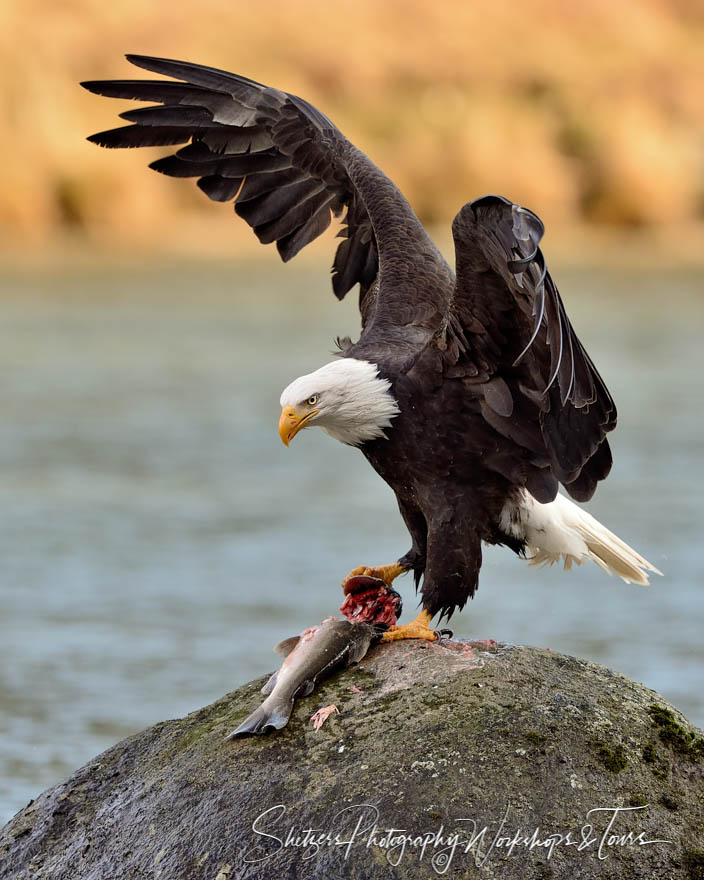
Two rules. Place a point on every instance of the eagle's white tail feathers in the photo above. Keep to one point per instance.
(562, 530)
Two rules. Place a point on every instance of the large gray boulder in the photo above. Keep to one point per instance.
(489, 761)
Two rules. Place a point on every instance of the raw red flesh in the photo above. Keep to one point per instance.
(370, 601)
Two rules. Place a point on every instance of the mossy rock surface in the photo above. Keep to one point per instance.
(426, 736)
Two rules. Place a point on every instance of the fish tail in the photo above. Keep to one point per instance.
(270, 714)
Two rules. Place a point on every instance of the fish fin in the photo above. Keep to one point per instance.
(284, 648)
(357, 652)
(271, 684)
(268, 715)
(305, 689)
(360, 646)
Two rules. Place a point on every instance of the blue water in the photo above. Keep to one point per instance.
(156, 538)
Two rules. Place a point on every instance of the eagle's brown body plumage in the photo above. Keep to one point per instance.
(496, 393)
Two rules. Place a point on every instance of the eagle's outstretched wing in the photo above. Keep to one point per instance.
(285, 164)
(509, 339)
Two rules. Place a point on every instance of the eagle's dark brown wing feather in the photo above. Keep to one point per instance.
(285, 164)
(289, 170)
(508, 337)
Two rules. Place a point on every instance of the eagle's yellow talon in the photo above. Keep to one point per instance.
(416, 629)
(385, 573)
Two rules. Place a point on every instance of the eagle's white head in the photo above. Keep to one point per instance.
(346, 398)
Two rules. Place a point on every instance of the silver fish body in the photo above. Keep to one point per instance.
(316, 653)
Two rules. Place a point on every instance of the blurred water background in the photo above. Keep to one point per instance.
(156, 538)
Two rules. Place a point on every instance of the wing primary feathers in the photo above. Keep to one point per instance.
(170, 114)
(257, 185)
(220, 189)
(278, 202)
(558, 361)
(196, 152)
(291, 244)
(540, 286)
(504, 301)
(517, 266)
(233, 141)
(282, 160)
(172, 166)
(568, 393)
(162, 90)
(197, 74)
(141, 136)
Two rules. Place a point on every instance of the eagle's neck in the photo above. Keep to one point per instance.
(365, 405)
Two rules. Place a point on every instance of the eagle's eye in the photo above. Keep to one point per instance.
(313, 399)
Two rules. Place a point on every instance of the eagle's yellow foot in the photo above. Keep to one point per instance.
(416, 629)
(385, 573)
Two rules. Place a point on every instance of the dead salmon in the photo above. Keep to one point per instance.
(318, 652)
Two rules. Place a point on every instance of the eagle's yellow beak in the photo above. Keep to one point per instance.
(291, 422)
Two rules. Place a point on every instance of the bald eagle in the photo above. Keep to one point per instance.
(468, 392)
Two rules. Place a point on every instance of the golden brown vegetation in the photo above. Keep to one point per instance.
(585, 111)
